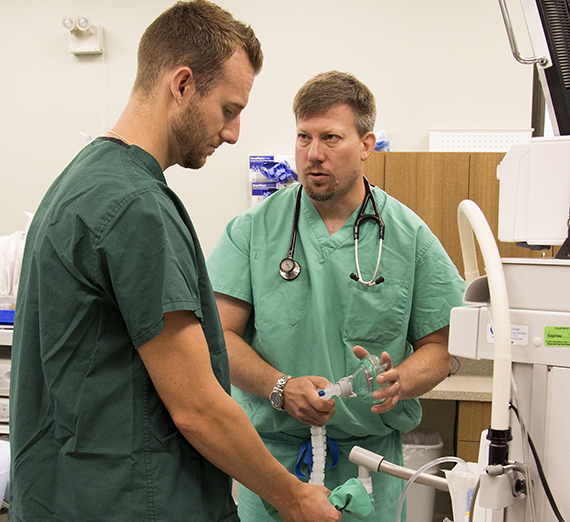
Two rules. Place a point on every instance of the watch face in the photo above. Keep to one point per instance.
(276, 399)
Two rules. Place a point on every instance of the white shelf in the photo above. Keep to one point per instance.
(6, 336)
(456, 140)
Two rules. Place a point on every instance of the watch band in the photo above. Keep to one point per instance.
(276, 395)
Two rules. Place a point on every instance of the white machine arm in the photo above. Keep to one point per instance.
(374, 462)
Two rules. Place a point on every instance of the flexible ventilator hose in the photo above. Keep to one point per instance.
(319, 445)
(472, 221)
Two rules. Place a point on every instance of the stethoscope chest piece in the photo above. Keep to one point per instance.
(289, 269)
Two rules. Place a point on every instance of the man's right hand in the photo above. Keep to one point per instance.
(302, 400)
(310, 504)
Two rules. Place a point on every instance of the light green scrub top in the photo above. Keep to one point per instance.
(110, 250)
(309, 326)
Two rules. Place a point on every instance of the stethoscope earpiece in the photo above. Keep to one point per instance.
(354, 277)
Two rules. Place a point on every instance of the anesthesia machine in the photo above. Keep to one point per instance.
(518, 314)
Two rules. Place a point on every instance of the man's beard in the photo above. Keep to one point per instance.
(321, 195)
(189, 131)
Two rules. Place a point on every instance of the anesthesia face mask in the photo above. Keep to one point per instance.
(362, 383)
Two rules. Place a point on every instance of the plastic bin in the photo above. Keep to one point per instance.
(421, 447)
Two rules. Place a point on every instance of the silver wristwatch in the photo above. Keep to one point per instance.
(276, 395)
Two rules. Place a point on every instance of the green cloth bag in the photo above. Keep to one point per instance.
(350, 497)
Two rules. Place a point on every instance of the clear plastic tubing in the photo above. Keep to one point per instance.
(425, 467)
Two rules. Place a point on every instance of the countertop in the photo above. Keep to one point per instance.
(463, 388)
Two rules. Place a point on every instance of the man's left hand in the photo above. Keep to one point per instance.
(390, 394)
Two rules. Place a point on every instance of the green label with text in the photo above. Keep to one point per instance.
(557, 336)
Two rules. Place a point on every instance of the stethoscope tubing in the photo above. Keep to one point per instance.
(360, 218)
(290, 269)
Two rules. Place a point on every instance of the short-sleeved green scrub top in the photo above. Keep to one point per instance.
(110, 250)
(309, 326)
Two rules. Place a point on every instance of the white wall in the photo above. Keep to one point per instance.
(432, 64)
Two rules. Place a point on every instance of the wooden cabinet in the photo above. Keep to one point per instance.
(433, 184)
(472, 419)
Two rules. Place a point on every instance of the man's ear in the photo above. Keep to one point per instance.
(182, 86)
(368, 144)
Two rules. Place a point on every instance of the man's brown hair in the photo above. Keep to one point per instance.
(332, 88)
(196, 34)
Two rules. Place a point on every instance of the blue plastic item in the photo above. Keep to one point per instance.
(6, 316)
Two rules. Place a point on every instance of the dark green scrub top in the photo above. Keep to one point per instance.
(110, 250)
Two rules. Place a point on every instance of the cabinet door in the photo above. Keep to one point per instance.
(472, 419)
(432, 184)
(374, 168)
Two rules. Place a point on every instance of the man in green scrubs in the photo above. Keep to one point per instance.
(288, 338)
(119, 407)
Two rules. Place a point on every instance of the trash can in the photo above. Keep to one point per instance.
(421, 447)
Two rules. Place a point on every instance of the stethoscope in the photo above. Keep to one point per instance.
(290, 269)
